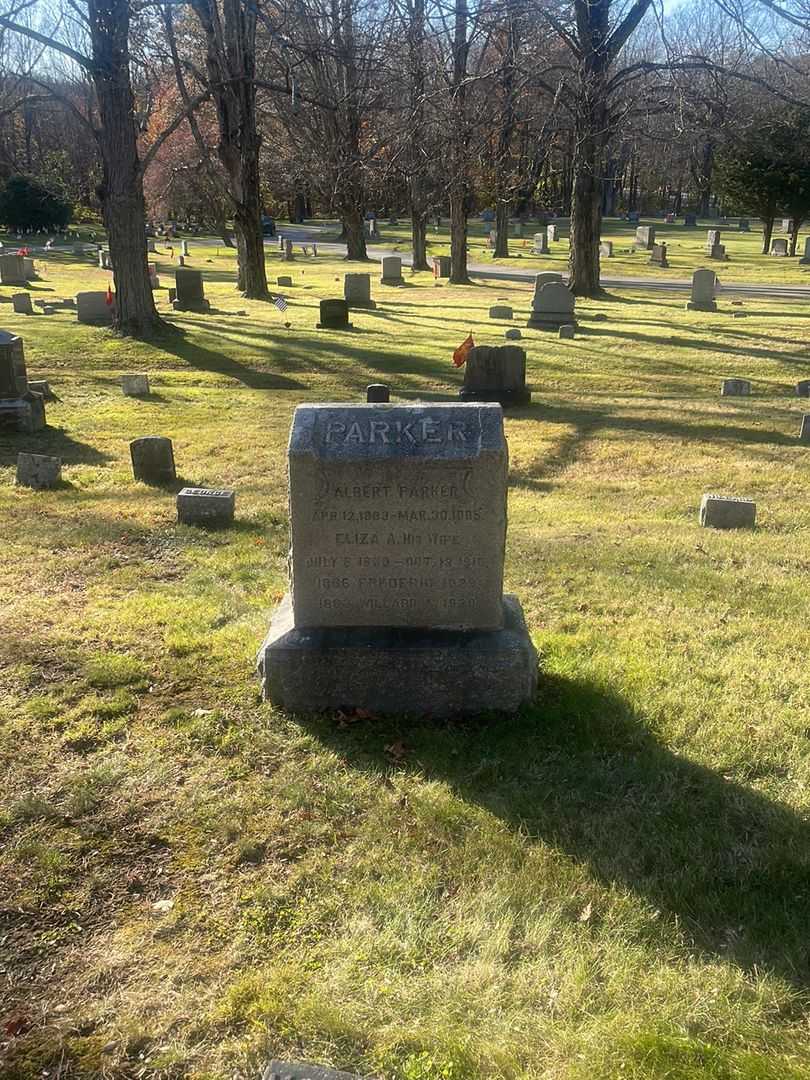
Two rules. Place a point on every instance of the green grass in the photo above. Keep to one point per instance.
(615, 883)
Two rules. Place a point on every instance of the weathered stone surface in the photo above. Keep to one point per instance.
(804, 430)
(190, 292)
(334, 315)
(21, 303)
(500, 311)
(568, 331)
(803, 388)
(658, 255)
(413, 671)
(779, 246)
(512, 334)
(29, 270)
(135, 385)
(12, 270)
(104, 259)
(726, 512)
(42, 386)
(284, 281)
(205, 506)
(546, 278)
(391, 270)
(496, 373)
(704, 283)
(645, 237)
(153, 459)
(735, 388)
(551, 233)
(38, 471)
(21, 409)
(540, 243)
(378, 393)
(92, 308)
(357, 291)
(552, 306)
(398, 515)
(301, 1070)
(441, 266)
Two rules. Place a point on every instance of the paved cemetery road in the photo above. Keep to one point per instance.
(307, 234)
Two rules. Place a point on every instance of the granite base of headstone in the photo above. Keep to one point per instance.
(727, 512)
(135, 385)
(496, 373)
(357, 291)
(153, 460)
(205, 506)
(735, 388)
(39, 471)
(334, 315)
(398, 525)
(378, 393)
(21, 408)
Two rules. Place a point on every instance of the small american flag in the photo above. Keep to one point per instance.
(280, 303)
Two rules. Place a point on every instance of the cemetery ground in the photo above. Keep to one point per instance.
(615, 883)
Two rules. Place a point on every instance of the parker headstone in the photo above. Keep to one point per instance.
(658, 255)
(135, 385)
(606, 249)
(441, 266)
(735, 388)
(21, 303)
(12, 270)
(726, 512)
(378, 393)
(500, 311)
(496, 373)
(153, 460)
(21, 408)
(704, 283)
(391, 270)
(357, 291)
(190, 293)
(398, 523)
(540, 243)
(334, 315)
(93, 308)
(39, 471)
(779, 246)
(205, 506)
(552, 306)
(645, 237)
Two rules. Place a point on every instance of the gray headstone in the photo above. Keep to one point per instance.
(104, 259)
(21, 303)
(334, 315)
(284, 281)
(190, 292)
(645, 237)
(357, 291)
(153, 459)
(378, 393)
(184, 247)
(297, 1070)
(288, 249)
(805, 259)
(13, 372)
(496, 373)
(551, 233)
(606, 249)
(803, 388)
(779, 246)
(704, 283)
(29, 270)
(135, 385)
(38, 471)
(512, 334)
(441, 266)
(391, 270)
(568, 331)
(552, 306)
(726, 512)
(500, 311)
(658, 255)
(92, 308)
(42, 386)
(12, 270)
(205, 506)
(786, 224)
(540, 243)
(379, 496)
(735, 388)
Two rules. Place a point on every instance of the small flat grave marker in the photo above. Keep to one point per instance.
(38, 471)
(735, 388)
(205, 506)
(727, 512)
(135, 385)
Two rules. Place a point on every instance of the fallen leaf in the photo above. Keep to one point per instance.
(585, 914)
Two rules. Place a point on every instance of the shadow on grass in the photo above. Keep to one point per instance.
(197, 356)
(580, 771)
(54, 442)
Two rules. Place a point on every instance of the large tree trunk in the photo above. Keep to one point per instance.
(502, 230)
(247, 223)
(459, 165)
(355, 233)
(121, 192)
(416, 159)
(796, 223)
(586, 201)
(419, 238)
(767, 233)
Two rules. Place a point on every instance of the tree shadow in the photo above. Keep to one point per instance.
(55, 442)
(580, 770)
(197, 356)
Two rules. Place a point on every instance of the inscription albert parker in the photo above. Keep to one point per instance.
(398, 515)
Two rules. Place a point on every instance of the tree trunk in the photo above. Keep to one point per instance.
(586, 202)
(419, 238)
(121, 192)
(796, 223)
(458, 238)
(416, 184)
(767, 233)
(459, 139)
(501, 230)
(355, 234)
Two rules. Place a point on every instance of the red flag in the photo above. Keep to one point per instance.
(463, 351)
(110, 298)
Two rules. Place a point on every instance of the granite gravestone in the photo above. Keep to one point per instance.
(540, 243)
(357, 291)
(704, 283)
(805, 259)
(189, 291)
(606, 249)
(153, 460)
(690, 221)
(803, 388)
(496, 373)
(21, 408)
(779, 246)
(441, 266)
(205, 506)
(552, 305)
(12, 270)
(645, 237)
(551, 233)
(334, 315)
(398, 524)
(135, 385)
(94, 308)
(500, 311)
(727, 512)
(391, 270)
(378, 393)
(804, 430)
(735, 388)
(21, 303)
(658, 255)
(39, 471)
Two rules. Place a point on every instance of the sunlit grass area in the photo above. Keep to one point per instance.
(615, 883)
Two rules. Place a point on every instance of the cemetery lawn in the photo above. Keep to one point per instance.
(615, 883)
